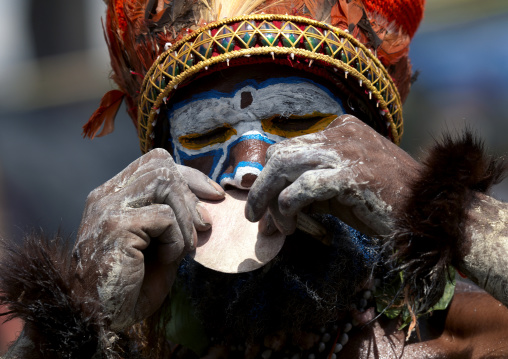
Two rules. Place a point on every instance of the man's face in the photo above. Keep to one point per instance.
(223, 124)
(225, 130)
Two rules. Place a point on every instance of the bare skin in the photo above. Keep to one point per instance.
(474, 326)
(487, 259)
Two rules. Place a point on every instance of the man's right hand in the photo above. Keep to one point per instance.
(347, 170)
(135, 230)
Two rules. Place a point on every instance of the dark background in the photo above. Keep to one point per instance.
(54, 70)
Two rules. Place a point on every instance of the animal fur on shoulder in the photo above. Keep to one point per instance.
(430, 225)
(36, 280)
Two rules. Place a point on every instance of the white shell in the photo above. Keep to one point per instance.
(233, 244)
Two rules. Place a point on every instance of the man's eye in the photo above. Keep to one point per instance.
(293, 126)
(196, 141)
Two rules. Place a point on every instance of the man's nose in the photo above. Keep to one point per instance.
(244, 162)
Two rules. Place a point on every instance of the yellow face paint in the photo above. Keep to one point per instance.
(196, 141)
(294, 126)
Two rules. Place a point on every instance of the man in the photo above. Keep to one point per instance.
(286, 107)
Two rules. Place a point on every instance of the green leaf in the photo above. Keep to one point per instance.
(448, 293)
(397, 309)
(184, 327)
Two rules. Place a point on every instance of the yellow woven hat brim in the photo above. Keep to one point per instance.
(267, 35)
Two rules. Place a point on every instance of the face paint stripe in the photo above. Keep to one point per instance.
(244, 137)
(218, 155)
(319, 122)
(196, 141)
(249, 164)
(241, 165)
(258, 137)
(215, 154)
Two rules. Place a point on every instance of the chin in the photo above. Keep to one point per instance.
(305, 286)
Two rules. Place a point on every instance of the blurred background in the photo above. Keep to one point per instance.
(54, 68)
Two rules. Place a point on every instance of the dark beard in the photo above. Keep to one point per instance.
(306, 286)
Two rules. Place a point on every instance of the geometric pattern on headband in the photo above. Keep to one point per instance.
(267, 35)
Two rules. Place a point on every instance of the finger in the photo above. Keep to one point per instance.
(284, 166)
(204, 222)
(267, 186)
(350, 202)
(156, 225)
(339, 121)
(312, 186)
(155, 187)
(154, 159)
(166, 186)
(266, 225)
(200, 184)
(272, 179)
(183, 203)
(201, 219)
(285, 224)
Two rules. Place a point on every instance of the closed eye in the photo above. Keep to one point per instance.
(196, 141)
(293, 125)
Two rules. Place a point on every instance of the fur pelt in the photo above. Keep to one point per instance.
(36, 285)
(430, 226)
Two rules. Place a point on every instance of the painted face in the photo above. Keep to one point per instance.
(226, 134)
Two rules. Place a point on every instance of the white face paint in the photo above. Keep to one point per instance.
(293, 97)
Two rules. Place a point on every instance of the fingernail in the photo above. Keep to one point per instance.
(203, 214)
(249, 213)
(194, 239)
(217, 187)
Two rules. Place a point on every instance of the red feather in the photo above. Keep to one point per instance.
(104, 115)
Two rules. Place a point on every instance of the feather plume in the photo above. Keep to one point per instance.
(105, 114)
(278, 7)
(319, 10)
(36, 281)
(219, 9)
(395, 43)
(39, 286)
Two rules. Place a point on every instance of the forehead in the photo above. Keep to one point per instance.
(251, 100)
(227, 80)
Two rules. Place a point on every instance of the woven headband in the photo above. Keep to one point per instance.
(266, 35)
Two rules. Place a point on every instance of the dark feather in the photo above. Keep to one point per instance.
(429, 233)
(151, 8)
(36, 286)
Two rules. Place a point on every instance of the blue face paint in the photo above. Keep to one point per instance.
(211, 111)
(243, 167)
(215, 154)
(242, 164)
(230, 176)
